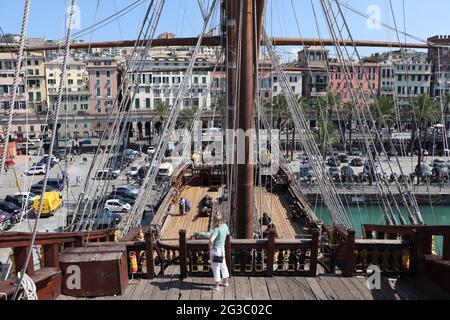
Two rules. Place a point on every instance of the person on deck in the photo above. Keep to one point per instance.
(181, 205)
(266, 220)
(187, 206)
(217, 253)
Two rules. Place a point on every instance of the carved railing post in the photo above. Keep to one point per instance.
(349, 254)
(149, 254)
(314, 253)
(228, 252)
(183, 254)
(51, 255)
(270, 253)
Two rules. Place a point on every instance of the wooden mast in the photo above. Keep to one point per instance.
(250, 31)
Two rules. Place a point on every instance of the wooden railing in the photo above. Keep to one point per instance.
(47, 278)
(394, 249)
(266, 257)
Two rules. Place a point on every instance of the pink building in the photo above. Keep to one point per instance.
(364, 81)
(102, 73)
(103, 86)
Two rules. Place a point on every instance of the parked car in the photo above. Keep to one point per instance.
(116, 205)
(423, 152)
(10, 207)
(334, 173)
(56, 184)
(343, 158)
(125, 193)
(133, 172)
(151, 150)
(37, 189)
(129, 188)
(424, 170)
(53, 161)
(438, 163)
(124, 198)
(333, 162)
(36, 170)
(7, 221)
(356, 162)
(106, 174)
(106, 220)
(19, 201)
(356, 152)
(347, 172)
(51, 202)
(24, 195)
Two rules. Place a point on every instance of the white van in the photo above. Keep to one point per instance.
(165, 169)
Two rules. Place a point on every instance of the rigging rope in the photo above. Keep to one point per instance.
(52, 143)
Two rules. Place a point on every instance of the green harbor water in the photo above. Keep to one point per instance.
(432, 215)
(371, 214)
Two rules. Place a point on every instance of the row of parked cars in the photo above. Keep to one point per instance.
(40, 168)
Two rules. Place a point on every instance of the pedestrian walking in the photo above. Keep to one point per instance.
(78, 180)
(217, 253)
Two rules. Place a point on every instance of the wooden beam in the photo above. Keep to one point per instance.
(216, 41)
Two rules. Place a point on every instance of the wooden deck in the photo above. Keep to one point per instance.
(191, 222)
(170, 287)
(277, 207)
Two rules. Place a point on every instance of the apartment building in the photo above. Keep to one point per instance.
(36, 82)
(314, 60)
(7, 73)
(163, 73)
(439, 56)
(364, 77)
(76, 95)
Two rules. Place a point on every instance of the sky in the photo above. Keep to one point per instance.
(183, 17)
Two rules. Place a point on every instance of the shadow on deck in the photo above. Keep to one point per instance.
(171, 287)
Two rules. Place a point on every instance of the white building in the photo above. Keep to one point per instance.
(404, 75)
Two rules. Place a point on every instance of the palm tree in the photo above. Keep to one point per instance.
(187, 117)
(446, 104)
(349, 109)
(330, 102)
(161, 110)
(326, 135)
(385, 112)
(424, 110)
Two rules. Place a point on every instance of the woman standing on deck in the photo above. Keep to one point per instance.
(217, 253)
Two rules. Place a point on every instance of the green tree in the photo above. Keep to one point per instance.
(162, 109)
(326, 135)
(330, 104)
(446, 105)
(384, 112)
(349, 109)
(424, 110)
(188, 116)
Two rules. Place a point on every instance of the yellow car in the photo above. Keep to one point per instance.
(52, 201)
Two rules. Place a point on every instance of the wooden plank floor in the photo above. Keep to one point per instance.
(190, 222)
(170, 287)
(278, 209)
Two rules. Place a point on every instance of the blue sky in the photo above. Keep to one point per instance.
(184, 19)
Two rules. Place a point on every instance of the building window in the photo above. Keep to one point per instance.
(97, 74)
(30, 96)
(108, 92)
(98, 92)
(136, 104)
(147, 103)
(108, 74)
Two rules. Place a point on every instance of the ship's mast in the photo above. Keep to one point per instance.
(250, 13)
